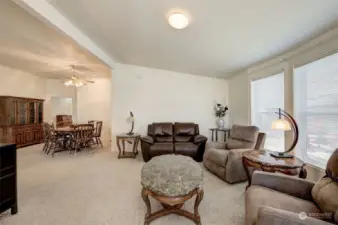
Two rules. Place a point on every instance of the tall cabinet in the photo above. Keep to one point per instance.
(21, 120)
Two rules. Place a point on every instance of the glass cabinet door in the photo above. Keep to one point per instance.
(31, 112)
(40, 110)
(22, 108)
(12, 111)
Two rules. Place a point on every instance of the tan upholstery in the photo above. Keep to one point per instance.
(226, 162)
(258, 196)
(242, 137)
(273, 216)
(278, 199)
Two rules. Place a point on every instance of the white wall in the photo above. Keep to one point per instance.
(94, 103)
(61, 106)
(21, 84)
(55, 88)
(162, 96)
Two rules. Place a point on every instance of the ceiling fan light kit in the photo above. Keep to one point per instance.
(76, 83)
(75, 80)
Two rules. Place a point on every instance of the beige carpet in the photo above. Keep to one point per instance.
(95, 188)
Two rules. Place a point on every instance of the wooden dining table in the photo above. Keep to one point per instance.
(61, 130)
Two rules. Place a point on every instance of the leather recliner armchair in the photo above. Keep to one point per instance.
(177, 138)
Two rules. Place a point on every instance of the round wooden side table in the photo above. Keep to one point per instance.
(262, 160)
(172, 180)
(130, 138)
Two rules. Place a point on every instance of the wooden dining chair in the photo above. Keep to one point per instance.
(97, 133)
(46, 136)
(82, 137)
(54, 141)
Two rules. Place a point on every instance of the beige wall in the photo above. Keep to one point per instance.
(21, 84)
(163, 96)
(94, 103)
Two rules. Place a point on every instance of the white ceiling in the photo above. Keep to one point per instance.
(30, 45)
(224, 35)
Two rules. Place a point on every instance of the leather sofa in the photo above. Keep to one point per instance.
(285, 200)
(225, 159)
(173, 138)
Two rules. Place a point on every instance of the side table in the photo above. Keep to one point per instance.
(132, 139)
(226, 132)
(262, 160)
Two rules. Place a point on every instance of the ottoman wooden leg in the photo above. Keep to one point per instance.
(199, 198)
(145, 197)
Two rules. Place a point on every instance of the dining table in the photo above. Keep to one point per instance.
(62, 130)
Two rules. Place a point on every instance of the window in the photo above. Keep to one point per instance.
(316, 109)
(267, 95)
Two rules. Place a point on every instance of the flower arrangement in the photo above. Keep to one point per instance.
(220, 110)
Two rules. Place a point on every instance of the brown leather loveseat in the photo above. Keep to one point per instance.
(177, 138)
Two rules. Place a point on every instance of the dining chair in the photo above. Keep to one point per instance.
(54, 141)
(46, 136)
(82, 137)
(97, 133)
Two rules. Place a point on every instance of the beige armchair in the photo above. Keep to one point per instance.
(284, 200)
(225, 159)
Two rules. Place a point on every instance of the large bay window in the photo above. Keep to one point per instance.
(316, 109)
(267, 95)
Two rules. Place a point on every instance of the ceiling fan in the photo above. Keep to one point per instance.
(76, 80)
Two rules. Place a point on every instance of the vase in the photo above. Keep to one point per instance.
(220, 123)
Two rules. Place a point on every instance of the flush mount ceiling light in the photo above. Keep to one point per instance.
(178, 21)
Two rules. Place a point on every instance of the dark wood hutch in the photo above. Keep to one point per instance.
(21, 120)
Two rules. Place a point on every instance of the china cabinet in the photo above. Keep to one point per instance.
(21, 120)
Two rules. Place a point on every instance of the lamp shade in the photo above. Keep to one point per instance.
(281, 124)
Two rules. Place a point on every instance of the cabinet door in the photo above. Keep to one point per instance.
(28, 136)
(31, 112)
(19, 138)
(22, 112)
(12, 110)
(39, 118)
(37, 135)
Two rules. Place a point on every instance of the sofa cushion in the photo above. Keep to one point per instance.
(258, 196)
(186, 148)
(325, 194)
(162, 129)
(185, 129)
(242, 137)
(184, 132)
(162, 132)
(217, 156)
(161, 149)
(184, 138)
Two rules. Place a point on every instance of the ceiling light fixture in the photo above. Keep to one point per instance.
(178, 21)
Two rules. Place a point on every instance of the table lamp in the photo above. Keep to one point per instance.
(131, 119)
(285, 122)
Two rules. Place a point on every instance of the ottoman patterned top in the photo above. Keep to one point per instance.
(171, 175)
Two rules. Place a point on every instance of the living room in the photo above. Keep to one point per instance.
(154, 74)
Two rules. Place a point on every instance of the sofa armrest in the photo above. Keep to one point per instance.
(216, 145)
(293, 186)
(269, 215)
(199, 139)
(147, 139)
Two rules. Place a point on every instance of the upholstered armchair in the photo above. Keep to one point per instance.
(285, 200)
(177, 138)
(225, 159)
